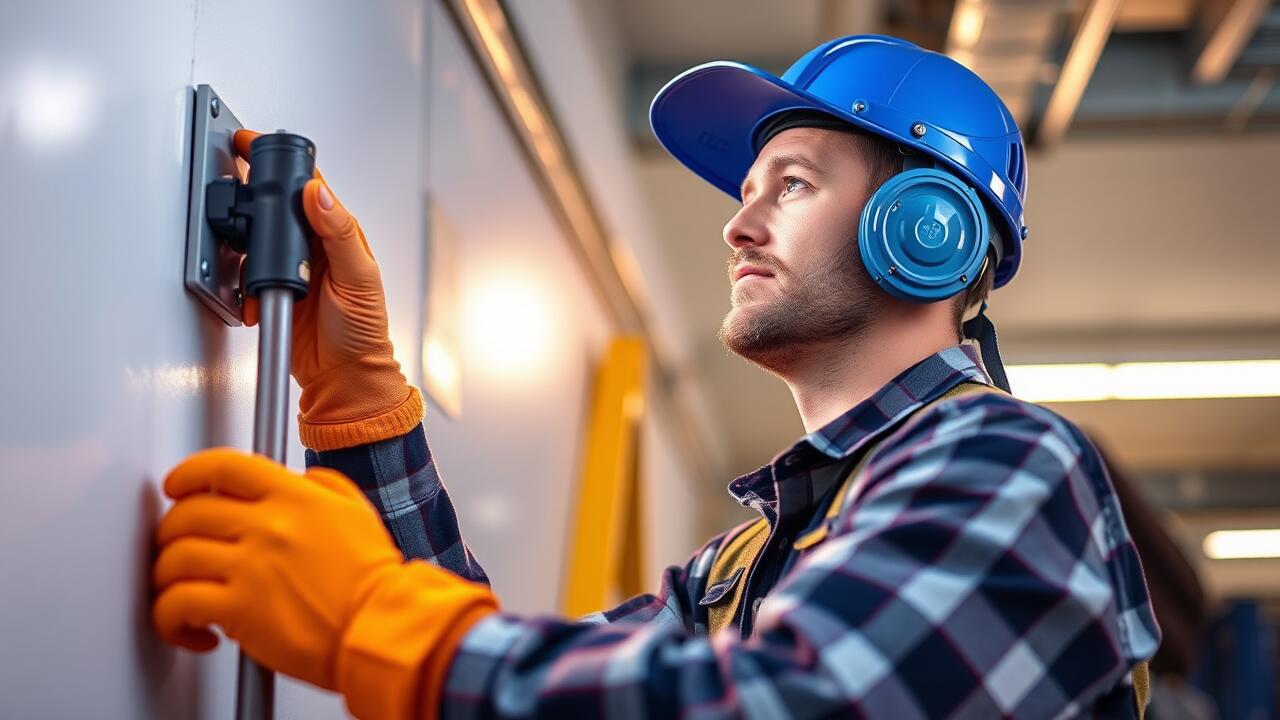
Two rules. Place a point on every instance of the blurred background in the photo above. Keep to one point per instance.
(499, 158)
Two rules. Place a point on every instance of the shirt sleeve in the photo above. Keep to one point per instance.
(974, 575)
(399, 477)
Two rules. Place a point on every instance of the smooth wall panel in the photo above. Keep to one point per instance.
(109, 373)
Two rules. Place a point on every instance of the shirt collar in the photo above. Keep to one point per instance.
(847, 434)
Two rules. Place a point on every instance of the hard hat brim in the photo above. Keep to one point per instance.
(708, 116)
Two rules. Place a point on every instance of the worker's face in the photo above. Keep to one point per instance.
(796, 237)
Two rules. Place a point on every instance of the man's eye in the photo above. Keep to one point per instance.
(790, 184)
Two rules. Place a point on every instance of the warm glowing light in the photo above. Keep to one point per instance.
(1146, 380)
(440, 363)
(509, 325)
(966, 24)
(52, 108)
(1237, 544)
(443, 380)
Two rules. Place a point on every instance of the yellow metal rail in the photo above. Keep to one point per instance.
(604, 563)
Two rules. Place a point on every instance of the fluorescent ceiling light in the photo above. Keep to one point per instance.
(1237, 544)
(1146, 380)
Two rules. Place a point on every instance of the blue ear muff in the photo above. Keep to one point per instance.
(923, 235)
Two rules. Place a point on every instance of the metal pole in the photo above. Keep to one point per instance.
(255, 699)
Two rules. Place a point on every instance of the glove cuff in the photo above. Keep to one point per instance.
(396, 651)
(400, 419)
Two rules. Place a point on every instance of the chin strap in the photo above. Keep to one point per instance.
(980, 329)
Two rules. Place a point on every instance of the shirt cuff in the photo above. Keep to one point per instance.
(333, 436)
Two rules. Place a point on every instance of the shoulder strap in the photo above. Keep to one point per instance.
(733, 560)
(1141, 687)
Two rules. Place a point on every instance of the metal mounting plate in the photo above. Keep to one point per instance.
(213, 269)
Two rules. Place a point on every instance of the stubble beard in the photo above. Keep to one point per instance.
(833, 302)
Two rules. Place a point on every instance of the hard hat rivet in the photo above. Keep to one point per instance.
(215, 107)
(894, 207)
(239, 295)
(918, 129)
(1024, 232)
(859, 106)
(964, 278)
(893, 269)
(204, 269)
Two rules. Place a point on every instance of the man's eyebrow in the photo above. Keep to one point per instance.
(778, 162)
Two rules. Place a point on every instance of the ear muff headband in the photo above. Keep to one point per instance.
(924, 235)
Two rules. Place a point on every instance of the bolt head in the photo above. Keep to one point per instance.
(239, 296)
(204, 269)
(215, 107)
(964, 278)
(1024, 232)
(893, 269)
(918, 129)
(859, 106)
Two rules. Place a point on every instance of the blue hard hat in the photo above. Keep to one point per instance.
(708, 118)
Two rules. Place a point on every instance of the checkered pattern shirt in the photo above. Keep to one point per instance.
(978, 568)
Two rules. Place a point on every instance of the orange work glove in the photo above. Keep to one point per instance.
(352, 389)
(301, 572)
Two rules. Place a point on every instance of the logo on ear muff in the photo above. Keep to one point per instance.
(924, 235)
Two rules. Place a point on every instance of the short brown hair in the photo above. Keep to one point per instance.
(975, 294)
(884, 160)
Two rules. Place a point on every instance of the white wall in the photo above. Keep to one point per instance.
(111, 373)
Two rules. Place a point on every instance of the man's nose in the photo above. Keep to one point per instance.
(745, 228)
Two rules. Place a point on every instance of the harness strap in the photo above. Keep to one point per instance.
(980, 329)
(1141, 687)
(733, 560)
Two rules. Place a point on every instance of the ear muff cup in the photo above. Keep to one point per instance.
(923, 235)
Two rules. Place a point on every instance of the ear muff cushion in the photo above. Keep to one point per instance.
(923, 235)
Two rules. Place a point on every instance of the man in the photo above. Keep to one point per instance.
(931, 548)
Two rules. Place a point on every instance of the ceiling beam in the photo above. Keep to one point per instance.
(1222, 29)
(1095, 27)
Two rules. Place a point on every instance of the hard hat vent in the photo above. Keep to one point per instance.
(1016, 165)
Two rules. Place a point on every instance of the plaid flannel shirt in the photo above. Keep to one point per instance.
(979, 568)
